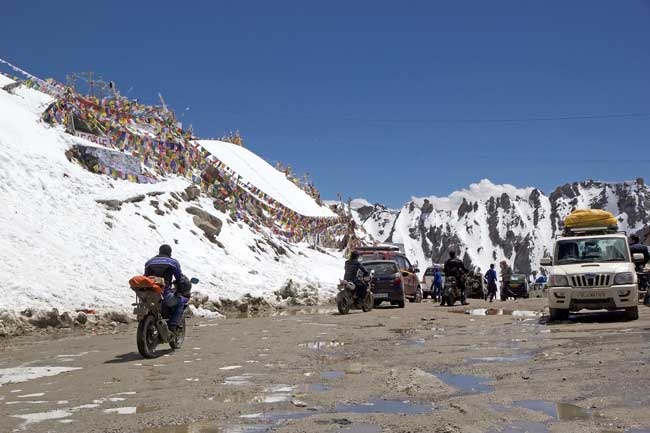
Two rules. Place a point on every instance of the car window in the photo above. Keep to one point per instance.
(384, 268)
(400, 262)
(407, 263)
(429, 272)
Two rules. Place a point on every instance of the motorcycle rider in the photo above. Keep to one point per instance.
(454, 267)
(636, 247)
(165, 267)
(352, 268)
(491, 277)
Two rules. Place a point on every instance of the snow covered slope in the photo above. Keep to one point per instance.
(258, 172)
(488, 223)
(61, 248)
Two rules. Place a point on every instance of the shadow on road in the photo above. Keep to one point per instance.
(590, 317)
(134, 356)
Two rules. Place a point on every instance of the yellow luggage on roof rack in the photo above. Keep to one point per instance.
(587, 218)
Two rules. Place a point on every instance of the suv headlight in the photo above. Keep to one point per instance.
(624, 278)
(558, 281)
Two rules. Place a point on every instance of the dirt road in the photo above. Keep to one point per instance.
(420, 369)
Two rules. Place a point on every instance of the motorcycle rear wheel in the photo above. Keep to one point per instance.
(177, 341)
(368, 302)
(147, 336)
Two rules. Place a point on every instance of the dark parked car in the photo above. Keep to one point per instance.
(517, 288)
(412, 287)
(388, 282)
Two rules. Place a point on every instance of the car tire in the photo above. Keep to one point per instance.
(558, 314)
(425, 295)
(632, 313)
(376, 303)
(504, 298)
(401, 304)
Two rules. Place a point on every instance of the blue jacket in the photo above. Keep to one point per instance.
(437, 278)
(163, 267)
(491, 276)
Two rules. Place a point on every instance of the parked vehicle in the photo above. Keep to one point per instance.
(517, 288)
(346, 301)
(427, 280)
(152, 326)
(450, 292)
(592, 268)
(388, 283)
(410, 278)
(475, 286)
(538, 288)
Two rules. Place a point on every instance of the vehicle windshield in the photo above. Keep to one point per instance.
(370, 257)
(591, 250)
(517, 277)
(383, 268)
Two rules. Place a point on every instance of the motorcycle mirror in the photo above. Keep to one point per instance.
(194, 280)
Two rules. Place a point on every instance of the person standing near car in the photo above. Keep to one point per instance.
(491, 277)
(437, 284)
(506, 275)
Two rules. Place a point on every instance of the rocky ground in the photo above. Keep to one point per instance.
(424, 368)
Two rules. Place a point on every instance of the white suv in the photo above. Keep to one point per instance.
(592, 269)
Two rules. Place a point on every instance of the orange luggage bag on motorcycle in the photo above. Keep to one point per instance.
(143, 282)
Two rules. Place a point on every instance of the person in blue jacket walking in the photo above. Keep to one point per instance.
(491, 277)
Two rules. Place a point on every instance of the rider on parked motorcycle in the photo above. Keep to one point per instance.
(165, 267)
(455, 267)
(352, 268)
(636, 247)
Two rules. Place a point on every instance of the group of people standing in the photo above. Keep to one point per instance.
(454, 267)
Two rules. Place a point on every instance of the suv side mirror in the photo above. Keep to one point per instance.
(638, 258)
(405, 274)
(547, 261)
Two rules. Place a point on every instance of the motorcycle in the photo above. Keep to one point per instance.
(451, 292)
(644, 284)
(152, 326)
(346, 300)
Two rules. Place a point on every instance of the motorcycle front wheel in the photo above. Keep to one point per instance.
(147, 336)
(343, 304)
(177, 341)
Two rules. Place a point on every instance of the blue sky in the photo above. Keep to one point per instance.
(380, 99)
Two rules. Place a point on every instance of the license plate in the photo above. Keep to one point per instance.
(589, 295)
(381, 295)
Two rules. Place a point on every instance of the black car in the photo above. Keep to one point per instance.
(517, 288)
(388, 282)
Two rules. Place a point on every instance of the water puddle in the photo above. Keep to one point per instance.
(385, 406)
(511, 358)
(320, 345)
(283, 312)
(244, 379)
(312, 387)
(206, 428)
(559, 411)
(499, 312)
(331, 375)
(24, 374)
(467, 384)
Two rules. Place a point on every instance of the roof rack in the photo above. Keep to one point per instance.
(605, 230)
(378, 248)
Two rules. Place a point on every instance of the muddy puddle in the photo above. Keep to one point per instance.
(385, 406)
(331, 375)
(510, 358)
(523, 427)
(465, 383)
(499, 312)
(559, 411)
(206, 428)
(320, 345)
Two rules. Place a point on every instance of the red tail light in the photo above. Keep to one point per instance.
(397, 282)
